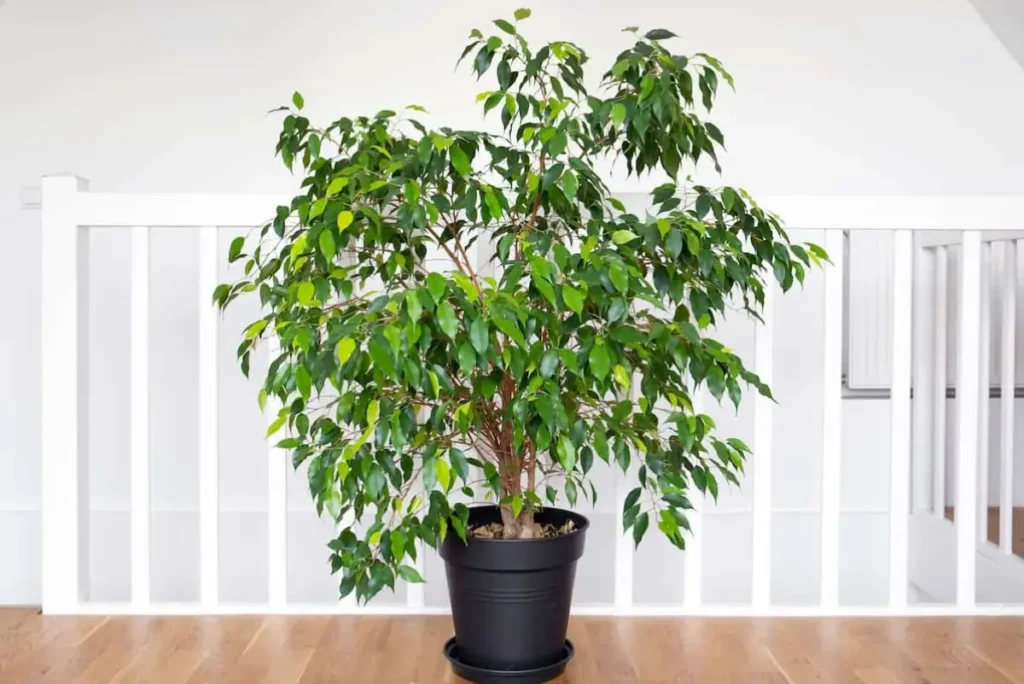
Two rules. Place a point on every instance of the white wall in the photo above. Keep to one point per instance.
(874, 97)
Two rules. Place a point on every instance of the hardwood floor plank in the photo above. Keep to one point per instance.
(407, 650)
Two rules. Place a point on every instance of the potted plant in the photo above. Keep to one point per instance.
(412, 392)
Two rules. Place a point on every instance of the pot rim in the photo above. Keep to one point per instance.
(492, 540)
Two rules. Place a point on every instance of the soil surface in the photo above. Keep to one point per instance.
(497, 530)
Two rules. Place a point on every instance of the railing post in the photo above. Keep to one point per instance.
(1007, 383)
(984, 385)
(899, 430)
(140, 447)
(939, 384)
(277, 501)
(923, 384)
(65, 397)
(209, 459)
(761, 555)
(624, 482)
(832, 420)
(693, 557)
(967, 420)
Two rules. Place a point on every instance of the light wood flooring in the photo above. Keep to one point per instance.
(407, 650)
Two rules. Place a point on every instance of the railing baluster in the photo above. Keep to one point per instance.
(209, 466)
(832, 420)
(624, 482)
(693, 557)
(984, 356)
(277, 502)
(967, 419)
(899, 445)
(922, 356)
(939, 394)
(64, 389)
(139, 362)
(1007, 383)
(763, 415)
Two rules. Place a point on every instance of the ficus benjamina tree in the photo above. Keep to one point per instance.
(409, 390)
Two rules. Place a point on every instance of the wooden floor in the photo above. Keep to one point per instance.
(381, 650)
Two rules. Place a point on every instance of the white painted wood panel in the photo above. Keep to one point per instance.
(899, 423)
(140, 457)
(967, 420)
(762, 456)
(832, 420)
(209, 457)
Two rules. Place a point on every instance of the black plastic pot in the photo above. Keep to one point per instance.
(510, 600)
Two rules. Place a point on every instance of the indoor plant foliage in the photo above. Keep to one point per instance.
(410, 391)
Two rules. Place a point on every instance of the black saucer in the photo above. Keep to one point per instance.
(481, 675)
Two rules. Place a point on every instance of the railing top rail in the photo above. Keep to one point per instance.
(925, 213)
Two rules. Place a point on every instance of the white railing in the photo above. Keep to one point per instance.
(971, 456)
(67, 211)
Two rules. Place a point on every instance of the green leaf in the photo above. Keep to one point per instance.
(545, 288)
(410, 574)
(446, 318)
(619, 279)
(549, 363)
(254, 330)
(617, 310)
(674, 243)
(659, 34)
(441, 142)
(306, 293)
(599, 361)
(728, 198)
(382, 358)
(573, 298)
(522, 13)
(467, 358)
(570, 492)
(412, 304)
(631, 499)
(517, 506)
(344, 349)
(317, 208)
(569, 184)
(436, 286)
(566, 453)
(557, 144)
(618, 113)
(510, 329)
(376, 482)
(621, 376)
(460, 161)
(235, 251)
(297, 100)
(466, 284)
(621, 237)
(459, 463)
(479, 335)
(345, 219)
(303, 382)
(640, 527)
(444, 473)
(337, 185)
(505, 26)
(327, 246)
(277, 424)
